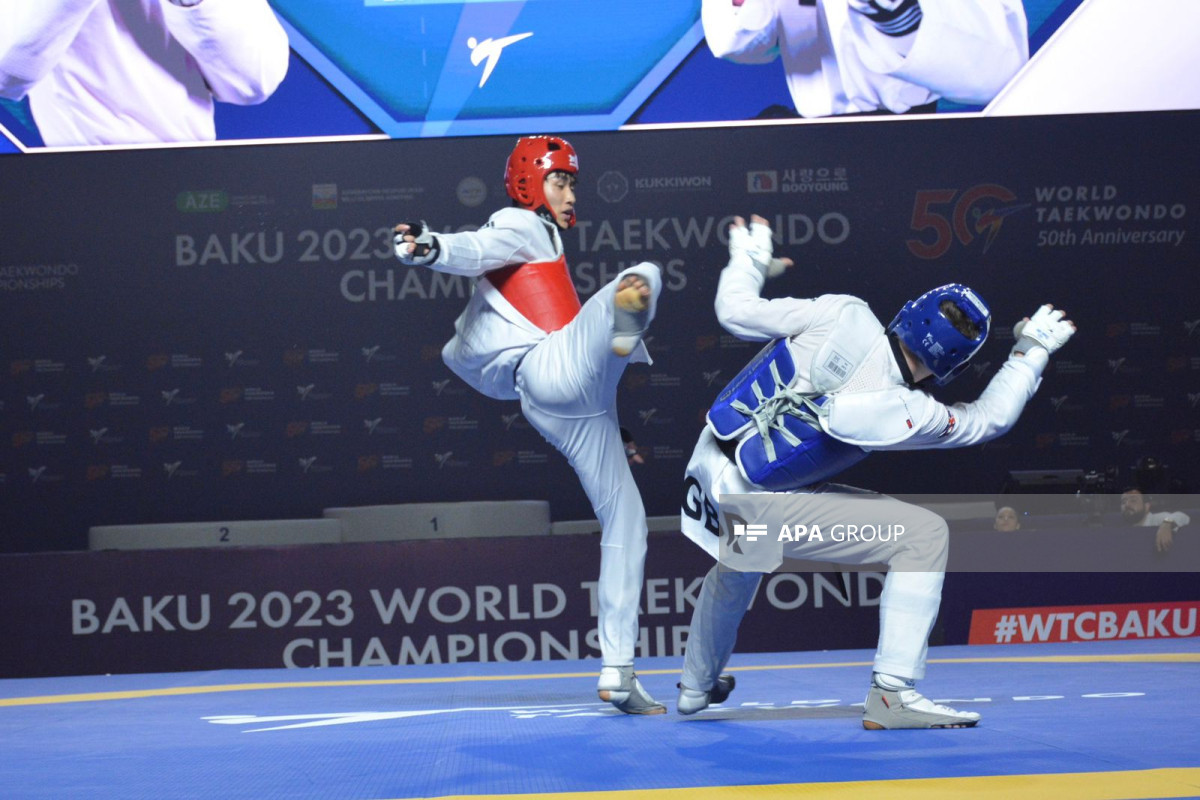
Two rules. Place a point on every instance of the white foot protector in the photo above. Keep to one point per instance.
(620, 686)
(631, 316)
(907, 708)
(692, 700)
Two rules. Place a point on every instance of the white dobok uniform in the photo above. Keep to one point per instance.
(137, 71)
(1155, 518)
(567, 384)
(837, 62)
(871, 406)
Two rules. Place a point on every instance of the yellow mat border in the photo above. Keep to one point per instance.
(1116, 785)
(174, 691)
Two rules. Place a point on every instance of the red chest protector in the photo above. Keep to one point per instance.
(542, 291)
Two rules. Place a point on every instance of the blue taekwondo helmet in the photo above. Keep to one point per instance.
(933, 339)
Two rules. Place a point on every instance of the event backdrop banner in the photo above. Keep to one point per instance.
(224, 333)
(527, 598)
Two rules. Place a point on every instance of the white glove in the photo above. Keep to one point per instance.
(1045, 329)
(186, 3)
(422, 250)
(755, 244)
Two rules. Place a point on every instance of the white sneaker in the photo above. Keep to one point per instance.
(907, 708)
(692, 700)
(620, 686)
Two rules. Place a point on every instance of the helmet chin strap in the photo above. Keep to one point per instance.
(901, 354)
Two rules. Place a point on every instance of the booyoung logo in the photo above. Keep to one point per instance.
(762, 181)
(488, 50)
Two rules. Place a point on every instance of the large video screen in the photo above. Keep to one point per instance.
(155, 72)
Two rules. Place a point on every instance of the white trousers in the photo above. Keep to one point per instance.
(912, 591)
(568, 387)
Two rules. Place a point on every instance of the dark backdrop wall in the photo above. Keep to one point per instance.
(223, 333)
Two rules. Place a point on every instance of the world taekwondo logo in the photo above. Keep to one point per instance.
(258, 724)
(1190, 325)
(489, 51)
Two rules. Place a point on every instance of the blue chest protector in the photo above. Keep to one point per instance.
(781, 445)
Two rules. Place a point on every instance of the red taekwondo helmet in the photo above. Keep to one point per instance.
(531, 161)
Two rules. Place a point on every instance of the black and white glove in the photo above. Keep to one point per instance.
(755, 244)
(421, 249)
(1043, 333)
(891, 17)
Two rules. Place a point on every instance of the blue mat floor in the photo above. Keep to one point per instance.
(1088, 715)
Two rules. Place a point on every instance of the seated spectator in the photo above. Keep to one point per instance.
(1007, 519)
(1135, 510)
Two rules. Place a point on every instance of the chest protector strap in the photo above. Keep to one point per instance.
(541, 291)
(781, 445)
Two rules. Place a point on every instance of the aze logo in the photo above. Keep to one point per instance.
(978, 213)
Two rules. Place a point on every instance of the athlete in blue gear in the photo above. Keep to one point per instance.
(832, 385)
